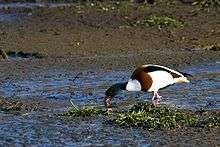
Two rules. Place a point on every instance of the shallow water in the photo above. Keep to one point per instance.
(33, 5)
(45, 128)
(85, 87)
(8, 17)
(38, 130)
(16, 16)
(89, 87)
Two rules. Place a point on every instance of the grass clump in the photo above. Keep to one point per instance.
(143, 119)
(83, 112)
(147, 116)
(158, 21)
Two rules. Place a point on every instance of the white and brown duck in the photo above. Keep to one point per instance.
(147, 78)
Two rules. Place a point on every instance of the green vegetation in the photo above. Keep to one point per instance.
(148, 116)
(158, 21)
(83, 112)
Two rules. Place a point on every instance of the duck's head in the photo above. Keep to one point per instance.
(113, 91)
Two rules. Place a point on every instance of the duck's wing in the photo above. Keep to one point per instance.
(152, 68)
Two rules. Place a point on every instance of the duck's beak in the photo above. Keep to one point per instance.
(107, 102)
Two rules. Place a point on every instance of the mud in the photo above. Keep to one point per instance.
(13, 105)
(87, 49)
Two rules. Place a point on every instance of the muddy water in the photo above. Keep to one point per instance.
(86, 87)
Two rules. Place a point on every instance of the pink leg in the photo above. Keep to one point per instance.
(156, 95)
(107, 103)
(153, 98)
(156, 98)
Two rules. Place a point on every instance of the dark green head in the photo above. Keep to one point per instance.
(114, 89)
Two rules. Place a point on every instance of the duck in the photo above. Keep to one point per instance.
(147, 78)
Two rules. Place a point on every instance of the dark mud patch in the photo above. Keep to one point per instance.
(24, 55)
(205, 48)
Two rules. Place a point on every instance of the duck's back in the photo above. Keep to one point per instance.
(153, 77)
(153, 68)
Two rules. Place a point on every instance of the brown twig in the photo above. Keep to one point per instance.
(3, 54)
(77, 76)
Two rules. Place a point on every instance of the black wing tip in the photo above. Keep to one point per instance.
(186, 74)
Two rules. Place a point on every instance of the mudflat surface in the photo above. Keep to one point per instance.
(90, 42)
(89, 37)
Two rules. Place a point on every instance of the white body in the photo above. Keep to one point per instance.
(160, 79)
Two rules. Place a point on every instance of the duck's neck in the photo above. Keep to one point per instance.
(122, 86)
